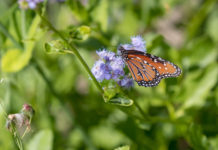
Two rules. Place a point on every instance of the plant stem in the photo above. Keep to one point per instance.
(75, 52)
(146, 117)
(17, 138)
(16, 27)
(171, 110)
(23, 24)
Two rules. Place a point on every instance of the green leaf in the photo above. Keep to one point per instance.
(121, 101)
(126, 147)
(212, 25)
(199, 18)
(100, 14)
(196, 138)
(78, 9)
(214, 142)
(113, 95)
(106, 136)
(15, 59)
(128, 23)
(201, 89)
(43, 140)
(109, 94)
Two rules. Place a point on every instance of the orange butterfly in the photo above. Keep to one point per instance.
(146, 69)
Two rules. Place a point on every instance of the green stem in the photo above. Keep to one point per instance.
(17, 138)
(27, 129)
(75, 52)
(23, 24)
(146, 117)
(171, 110)
(16, 27)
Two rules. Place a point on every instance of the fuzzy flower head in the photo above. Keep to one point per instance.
(126, 82)
(137, 43)
(109, 66)
(106, 55)
(100, 70)
(31, 4)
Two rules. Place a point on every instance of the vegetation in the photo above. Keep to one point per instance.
(47, 50)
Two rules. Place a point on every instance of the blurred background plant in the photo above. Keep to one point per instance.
(36, 68)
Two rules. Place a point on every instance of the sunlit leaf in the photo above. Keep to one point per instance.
(203, 86)
(15, 59)
(123, 148)
(107, 137)
(43, 140)
(212, 25)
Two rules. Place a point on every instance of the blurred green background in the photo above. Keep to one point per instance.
(71, 113)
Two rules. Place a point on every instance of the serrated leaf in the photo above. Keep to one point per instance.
(43, 140)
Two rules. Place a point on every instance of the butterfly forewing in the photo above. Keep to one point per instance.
(165, 68)
(144, 72)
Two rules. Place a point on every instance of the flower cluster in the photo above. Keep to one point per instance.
(25, 4)
(110, 66)
(137, 43)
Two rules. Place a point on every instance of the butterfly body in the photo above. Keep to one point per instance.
(146, 69)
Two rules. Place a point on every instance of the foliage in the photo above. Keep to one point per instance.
(46, 53)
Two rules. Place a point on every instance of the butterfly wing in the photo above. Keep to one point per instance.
(143, 74)
(147, 70)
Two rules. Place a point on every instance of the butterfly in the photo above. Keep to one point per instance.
(146, 69)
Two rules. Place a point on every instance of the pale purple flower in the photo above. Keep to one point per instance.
(106, 55)
(116, 74)
(126, 82)
(138, 43)
(117, 63)
(110, 66)
(98, 70)
(32, 4)
(128, 46)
